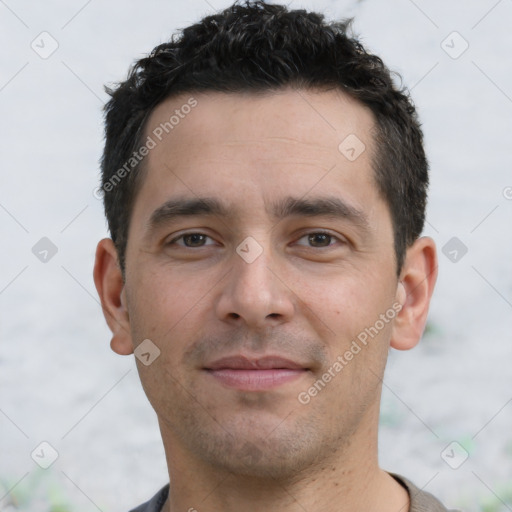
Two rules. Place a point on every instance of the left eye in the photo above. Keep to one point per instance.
(191, 240)
(319, 239)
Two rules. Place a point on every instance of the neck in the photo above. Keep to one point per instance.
(348, 481)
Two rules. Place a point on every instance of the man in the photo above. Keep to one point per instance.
(265, 188)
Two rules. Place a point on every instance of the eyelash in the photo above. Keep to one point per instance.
(318, 232)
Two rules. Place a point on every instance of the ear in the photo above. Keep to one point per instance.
(110, 286)
(417, 281)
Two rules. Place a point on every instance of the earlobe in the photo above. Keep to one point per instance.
(414, 291)
(111, 290)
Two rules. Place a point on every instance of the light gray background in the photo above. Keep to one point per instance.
(59, 381)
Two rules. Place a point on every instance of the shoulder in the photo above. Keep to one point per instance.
(156, 503)
(421, 501)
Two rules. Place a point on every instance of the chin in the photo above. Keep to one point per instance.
(253, 462)
(279, 454)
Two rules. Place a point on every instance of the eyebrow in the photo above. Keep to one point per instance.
(185, 207)
(330, 206)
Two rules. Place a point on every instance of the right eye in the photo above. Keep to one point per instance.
(190, 240)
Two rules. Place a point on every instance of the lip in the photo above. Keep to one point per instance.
(255, 374)
(240, 362)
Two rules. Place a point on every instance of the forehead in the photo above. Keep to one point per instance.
(247, 146)
(319, 118)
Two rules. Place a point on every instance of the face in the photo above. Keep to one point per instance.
(259, 255)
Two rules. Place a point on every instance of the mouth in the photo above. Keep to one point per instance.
(261, 374)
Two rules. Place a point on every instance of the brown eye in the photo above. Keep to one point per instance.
(191, 240)
(319, 239)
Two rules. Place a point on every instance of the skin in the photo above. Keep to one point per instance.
(303, 298)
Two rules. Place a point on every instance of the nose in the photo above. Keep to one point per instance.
(255, 294)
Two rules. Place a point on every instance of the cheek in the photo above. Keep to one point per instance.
(159, 303)
(346, 302)
(347, 311)
(165, 309)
